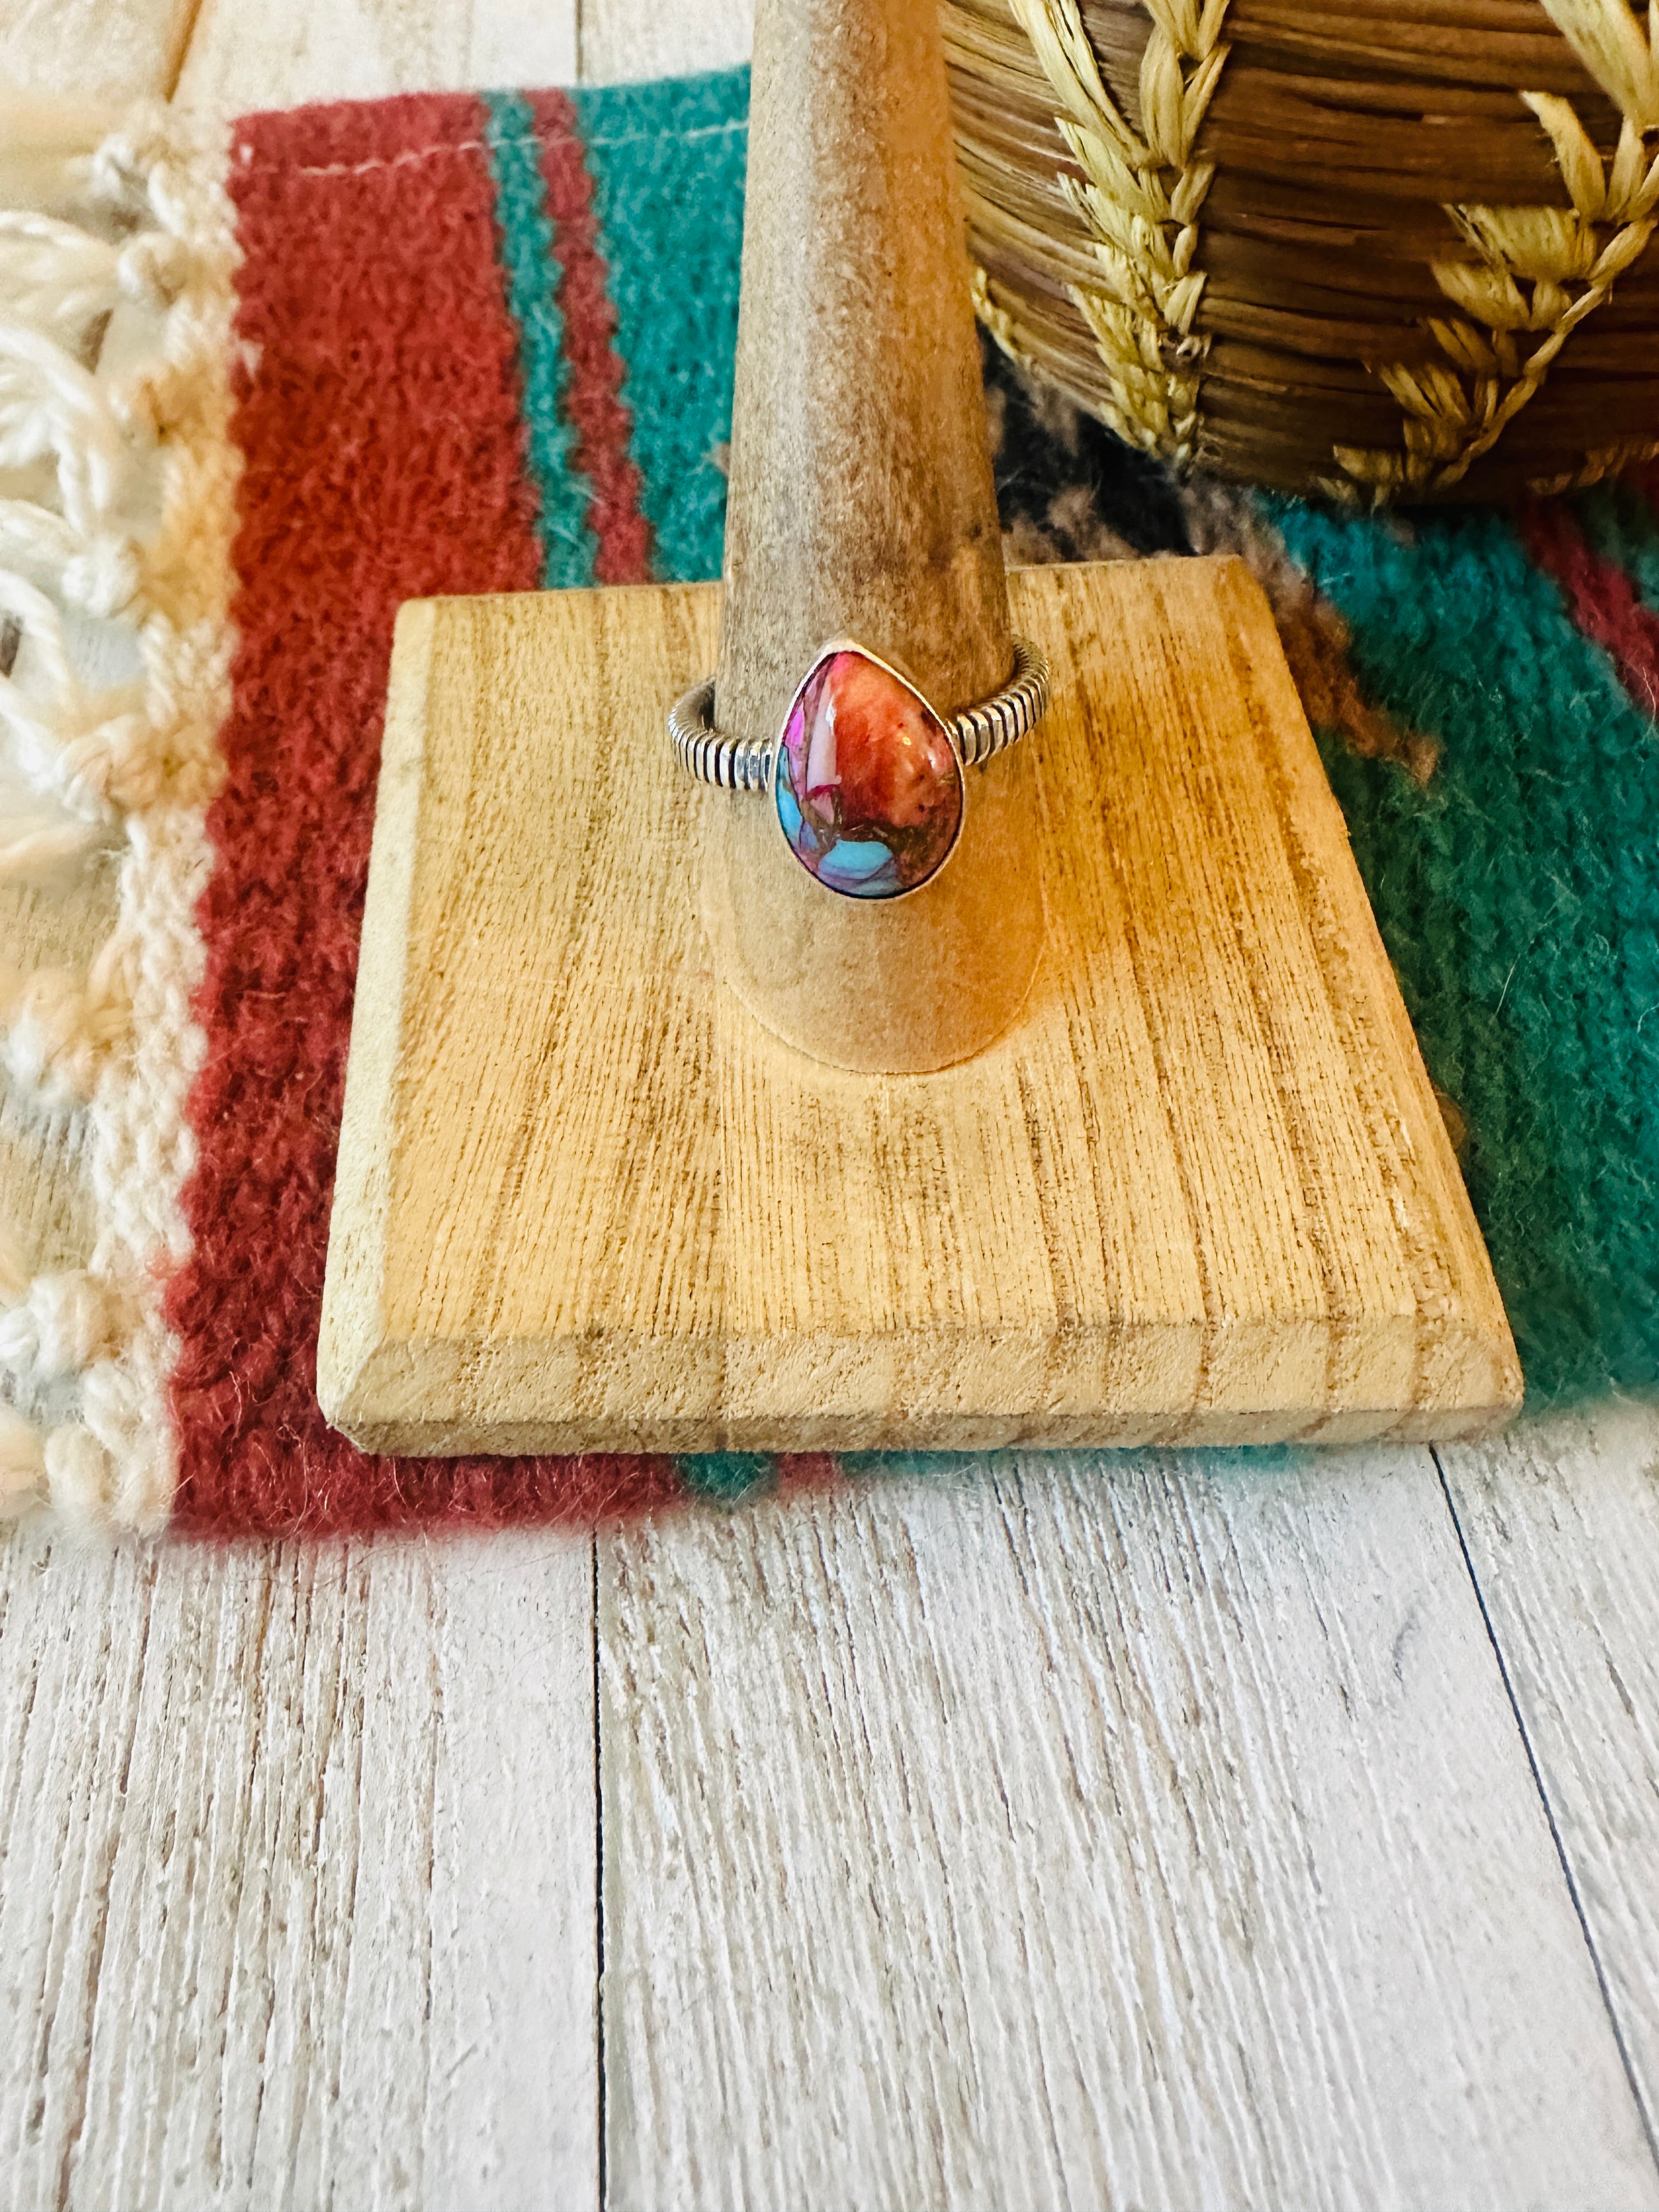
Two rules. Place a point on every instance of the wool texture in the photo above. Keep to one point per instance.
(487, 343)
(386, 458)
(1518, 895)
(593, 398)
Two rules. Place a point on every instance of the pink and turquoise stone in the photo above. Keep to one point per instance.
(867, 783)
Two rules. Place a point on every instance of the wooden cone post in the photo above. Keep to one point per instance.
(1115, 1133)
(861, 505)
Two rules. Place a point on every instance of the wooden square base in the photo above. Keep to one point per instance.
(1200, 1193)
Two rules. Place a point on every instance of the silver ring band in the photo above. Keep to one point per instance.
(976, 734)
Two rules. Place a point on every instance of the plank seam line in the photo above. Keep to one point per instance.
(1624, 2058)
(598, 1884)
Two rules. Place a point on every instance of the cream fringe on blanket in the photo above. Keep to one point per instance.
(117, 485)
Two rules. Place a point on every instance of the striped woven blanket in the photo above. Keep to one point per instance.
(451, 344)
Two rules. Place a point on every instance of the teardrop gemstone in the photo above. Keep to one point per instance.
(867, 783)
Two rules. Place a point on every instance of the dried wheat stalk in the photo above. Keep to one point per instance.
(1598, 464)
(998, 320)
(1538, 273)
(1138, 201)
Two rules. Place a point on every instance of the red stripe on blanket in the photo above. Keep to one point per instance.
(384, 461)
(810, 1471)
(1602, 600)
(592, 399)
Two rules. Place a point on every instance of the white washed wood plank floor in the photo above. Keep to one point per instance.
(1560, 1520)
(1157, 1838)
(1221, 1833)
(297, 1876)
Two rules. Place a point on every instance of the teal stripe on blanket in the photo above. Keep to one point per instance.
(1623, 528)
(1518, 895)
(728, 1477)
(529, 254)
(667, 164)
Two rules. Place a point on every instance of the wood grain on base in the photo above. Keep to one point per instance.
(1152, 1836)
(1200, 1191)
(297, 1876)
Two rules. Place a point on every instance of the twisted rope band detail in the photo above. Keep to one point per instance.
(977, 733)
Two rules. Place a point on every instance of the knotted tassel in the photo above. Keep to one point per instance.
(66, 1467)
(60, 1026)
(57, 1324)
(117, 510)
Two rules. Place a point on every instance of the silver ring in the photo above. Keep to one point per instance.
(869, 790)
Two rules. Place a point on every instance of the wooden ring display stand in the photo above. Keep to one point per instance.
(861, 505)
(1117, 1133)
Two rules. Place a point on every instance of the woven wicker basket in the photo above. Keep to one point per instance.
(1391, 249)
